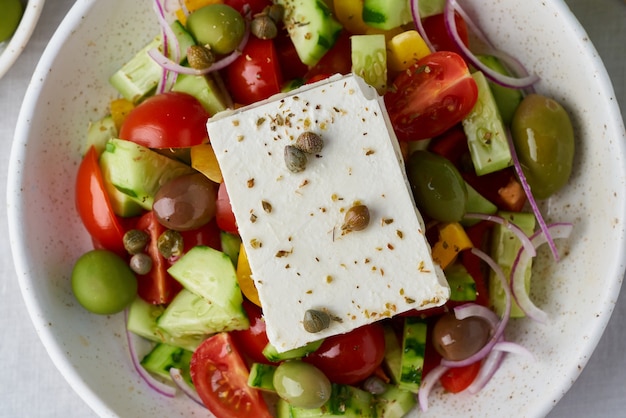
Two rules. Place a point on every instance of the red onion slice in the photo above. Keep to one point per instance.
(158, 386)
(177, 377)
(487, 370)
(503, 80)
(168, 36)
(499, 331)
(513, 348)
(518, 287)
(417, 19)
(428, 382)
(473, 309)
(526, 244)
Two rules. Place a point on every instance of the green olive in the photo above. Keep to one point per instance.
(301, 384)
(103, 283)
(544, 140)
(10, 17)
(218, 26)
(438, 188)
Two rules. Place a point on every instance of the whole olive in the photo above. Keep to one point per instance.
(186, 202)
(457, 339)
(544, 140)
(301, 384)
(438, 188)
(217, 26)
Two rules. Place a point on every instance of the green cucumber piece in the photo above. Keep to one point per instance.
(311, 26)
(413, 348)
(142, 321)
(507, 99)
(137, 171)
(393, 354)
(141, 74)
(386, 14)
(504, 248)
(345, 402)
(99, 132)
(262, 377)
(369, 60)
(231, 245)
(462, 284)
(273, 355)
(209, 273)
(431, 7)
(486, 135)
(190, 315)
(394, 402)
(163, 357)
(204, 88)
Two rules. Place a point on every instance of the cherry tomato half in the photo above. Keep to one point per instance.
(431, 97)
(255, 75)
(157, 286)
(166, 120)
(351, 357)
(221, 379)
(457, 379)
(94, 207)
(438, 35)
(224, 211)
(336, 60)
(253, 340)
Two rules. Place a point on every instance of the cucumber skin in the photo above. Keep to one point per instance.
(413, 349)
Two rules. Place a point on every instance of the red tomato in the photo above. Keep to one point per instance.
(351, 357)
(167, 120)
(94, 206)
(221, 379)
(255, 75)
(290, 65)
(253, 340)
(256, 6)
(157, 286)
(436, 95)
(438, 35)
(224, 212)
(336, 60)
(457, 379)
(207, 234)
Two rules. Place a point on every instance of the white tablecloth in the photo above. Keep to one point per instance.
(30, 386)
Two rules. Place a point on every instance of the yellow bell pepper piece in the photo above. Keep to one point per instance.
(204, 160)
(120, 108)
(405, 49)
(452, 240)
(192, 5)
(244, 277)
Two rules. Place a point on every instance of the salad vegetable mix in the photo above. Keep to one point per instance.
(479, 146)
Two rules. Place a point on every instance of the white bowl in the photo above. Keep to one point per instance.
(12, 48)
(69, 88)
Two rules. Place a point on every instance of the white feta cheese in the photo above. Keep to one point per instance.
(290, 223)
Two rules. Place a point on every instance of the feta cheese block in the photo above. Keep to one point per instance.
(291, 222)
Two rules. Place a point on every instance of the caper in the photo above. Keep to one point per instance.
(170, 244)
(141, 263)
(457, 339)
(309, 142)
(263, 27)
(135, 241)
(295, 160)
(200, 57)
(276, 12)
(315, 321)
(438, 188)
(356, 219)
(301, 384)
(544, 140)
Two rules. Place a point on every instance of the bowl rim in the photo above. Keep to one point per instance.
(19, 40)
(19, 244)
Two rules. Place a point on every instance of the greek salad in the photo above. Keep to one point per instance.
(475, 147)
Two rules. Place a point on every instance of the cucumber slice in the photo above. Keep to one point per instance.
(262, 377)
(311, 26)
(163, 357)
(386, 14)
(369, 60)
(394, 402)
(413, 348)
(486, 135)
(272, 354)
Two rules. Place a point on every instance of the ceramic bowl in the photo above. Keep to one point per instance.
(12, 48)
(70, 88)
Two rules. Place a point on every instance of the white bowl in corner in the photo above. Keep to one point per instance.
(12, 48)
